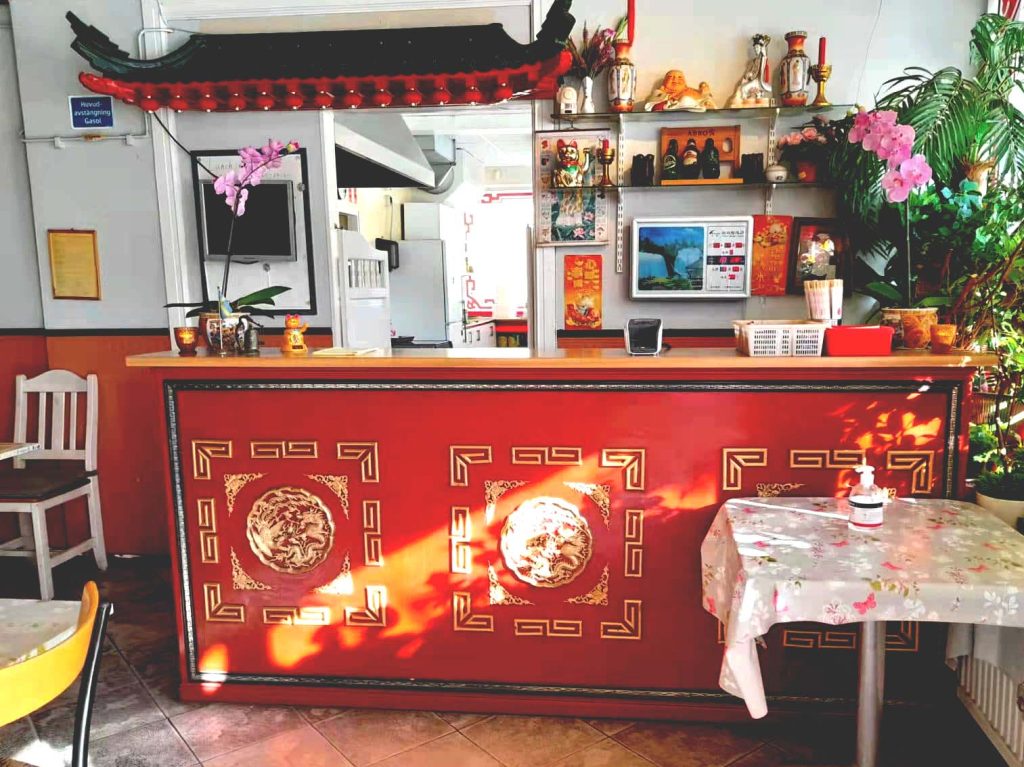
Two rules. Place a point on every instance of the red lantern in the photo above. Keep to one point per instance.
(178, 103)
(264, 102)
(503, 92)
(323, 100)
(236, 102)
(293, 101)
(412, 96)
(207, 102)
(472, 94)
(149, 104)
(441, 94)
(352, 99)
(382, 98)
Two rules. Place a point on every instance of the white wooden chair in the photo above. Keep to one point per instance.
(56, 473)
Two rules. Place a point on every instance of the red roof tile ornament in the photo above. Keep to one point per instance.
(477, 64)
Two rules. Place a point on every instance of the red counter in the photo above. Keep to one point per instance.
(517, 533)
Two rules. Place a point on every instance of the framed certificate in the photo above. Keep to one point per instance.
(74, 264)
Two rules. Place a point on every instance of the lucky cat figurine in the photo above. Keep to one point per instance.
(570, 167)
(294, 328)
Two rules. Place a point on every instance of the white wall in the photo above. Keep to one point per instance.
(869, 41)
(20, 302)
(107, 186)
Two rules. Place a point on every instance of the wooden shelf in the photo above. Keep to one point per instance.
(702, 187)
(685, 115)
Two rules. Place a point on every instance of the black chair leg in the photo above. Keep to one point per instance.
(87, 687)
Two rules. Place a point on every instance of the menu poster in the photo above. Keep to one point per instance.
(771, 247)
(74, 264)
(583, 292)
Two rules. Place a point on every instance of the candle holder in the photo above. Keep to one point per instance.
(606, 156)
(186, 338)
(820, 74)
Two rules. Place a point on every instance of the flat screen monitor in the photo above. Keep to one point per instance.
(266, 232)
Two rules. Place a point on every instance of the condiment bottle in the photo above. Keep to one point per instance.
(867, 501)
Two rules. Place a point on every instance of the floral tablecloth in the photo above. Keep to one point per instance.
(780, 560)
(29, 626)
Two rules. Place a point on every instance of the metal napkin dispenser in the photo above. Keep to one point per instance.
(643, 336)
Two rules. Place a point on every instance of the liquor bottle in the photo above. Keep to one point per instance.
(689, 161)
(710, 163)
(669, 162)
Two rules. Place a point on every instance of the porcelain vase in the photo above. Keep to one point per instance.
(795, 72)
(587, 106)
(912, 328)
(224, 335)
(621, 80)
(1008, 511)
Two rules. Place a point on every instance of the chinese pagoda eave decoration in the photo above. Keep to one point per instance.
(347, 69)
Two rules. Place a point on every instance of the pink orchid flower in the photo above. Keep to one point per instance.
(861, 125)
(885, 117)
(916, 170)
(897, 187)
(254, 164)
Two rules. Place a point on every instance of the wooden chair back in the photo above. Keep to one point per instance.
(57, 428)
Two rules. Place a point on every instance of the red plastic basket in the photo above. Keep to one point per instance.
(858, 341)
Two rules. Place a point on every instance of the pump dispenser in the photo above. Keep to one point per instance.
(867, 501)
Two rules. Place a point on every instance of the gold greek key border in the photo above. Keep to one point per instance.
(632, 460)
(206, 513)
(218, 611)
(920, 464)
(373, 555)
(736, 459)
(631, 626)
(337, 484)
(461, 457)
(297, 616)
(548, 627)
(460, 534)
(547, 456)
(283, 448)
(375, 612)
(905, 638)
(634, 543)
(204, 451)
(233, 484)
(840, 458)
(241, 580)
(367, 455)
(463, 617)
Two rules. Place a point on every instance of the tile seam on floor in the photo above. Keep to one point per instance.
(754, 750)
(147, 724)
(582, 748)
(245, 745)
(404, 750)
(623, 745)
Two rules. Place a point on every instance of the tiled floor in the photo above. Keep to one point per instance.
(138, 722)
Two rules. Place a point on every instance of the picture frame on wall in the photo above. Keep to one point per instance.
(687, 257)
(771, 249)
(571, 215)
(818, 251)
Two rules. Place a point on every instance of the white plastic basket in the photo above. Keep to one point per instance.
(779, 338)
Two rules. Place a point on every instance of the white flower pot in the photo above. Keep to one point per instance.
(1007, 511)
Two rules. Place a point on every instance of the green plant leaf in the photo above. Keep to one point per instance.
(262, 296)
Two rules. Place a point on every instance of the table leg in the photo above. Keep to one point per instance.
(871, 692)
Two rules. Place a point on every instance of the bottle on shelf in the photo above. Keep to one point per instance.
(710, 160)
(670, 161)
(689, 161)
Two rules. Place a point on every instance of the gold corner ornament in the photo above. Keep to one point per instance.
(920, 464)
(290, 530)
(461, 457)
(631, 626)
(368, 456)
(337, 484)
(463, 617)
(632, 461)
(233, 484)
(204, 451)
(736, 459)
(493, 490)
(241, 580)
(546, 542)
(597, 596)
(375, 610)
(601, 495)
(217, 611)
(497, 594)
(341, 585)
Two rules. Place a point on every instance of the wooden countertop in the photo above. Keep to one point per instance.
(566, 359)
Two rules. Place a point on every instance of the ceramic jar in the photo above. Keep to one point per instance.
(1006, 510)
(224, 335)
(912, 328)
(776, 173)
(621, 80)
(795, 71)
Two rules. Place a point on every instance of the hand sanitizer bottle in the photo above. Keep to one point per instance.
(867, 501)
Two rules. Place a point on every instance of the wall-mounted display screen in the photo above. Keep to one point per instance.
(266, 232)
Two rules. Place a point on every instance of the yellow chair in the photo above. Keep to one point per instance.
(31, 684)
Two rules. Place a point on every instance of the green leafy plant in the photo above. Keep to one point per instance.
(254, 303)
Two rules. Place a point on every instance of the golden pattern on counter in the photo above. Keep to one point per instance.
(460, 535)
(826, 459)
(341, 585)
(375, 612)
(634, 543)
(216, 610)
(233, 484)
(203, 451)
(547, 456)
(283, 448)
(548, 627)
(599, 494)
(461, 457)
(597, 596)
(206, 513)
(775, 489)
(631, 626)
(241, 580)
(338, 484)
(633, 461)
(546, 542)
(906, 638)
(498, 594)
(290, 530)
(493, 490)
(297, 616)
(373, 556)
(920, 463)
(367, 455)
(463, 617)
(736, 459)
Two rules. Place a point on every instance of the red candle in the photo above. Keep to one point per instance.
(821, 51)
(604, 143)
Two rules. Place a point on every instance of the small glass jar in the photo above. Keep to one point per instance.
(186, 338)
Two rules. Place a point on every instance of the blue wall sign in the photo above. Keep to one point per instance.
(91, 112)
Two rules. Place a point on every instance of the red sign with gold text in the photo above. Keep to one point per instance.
(771, 255)
(583, 292)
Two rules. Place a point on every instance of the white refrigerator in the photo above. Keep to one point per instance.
(427, 299)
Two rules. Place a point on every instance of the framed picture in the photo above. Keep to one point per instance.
(691, 257)
(770, 270)
(74, 264)
(571, 216)
(681, 154)
(817, 253)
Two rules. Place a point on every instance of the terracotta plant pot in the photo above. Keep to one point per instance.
(1008, 511)
(912, 327)
(943, 338)
(807, 171)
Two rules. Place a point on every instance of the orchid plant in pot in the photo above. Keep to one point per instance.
(808, 148)
(593, 56)
(222, 319)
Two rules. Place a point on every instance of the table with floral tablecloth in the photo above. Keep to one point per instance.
(781, 560)
(30, 626)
